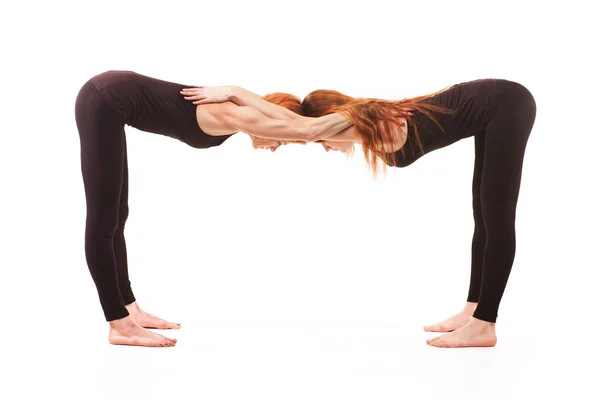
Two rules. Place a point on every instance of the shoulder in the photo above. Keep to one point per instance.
(230, 109)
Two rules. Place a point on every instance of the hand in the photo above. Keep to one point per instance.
(208, 94)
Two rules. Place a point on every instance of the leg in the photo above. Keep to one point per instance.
(119, 238)
(101, 132)
(102, 151)
(462, 318)
(141, 317)
(479, 235)
(506, 139)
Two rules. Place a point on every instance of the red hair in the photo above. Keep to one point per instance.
(375, 120)
(286, 100)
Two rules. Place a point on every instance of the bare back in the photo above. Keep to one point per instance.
(211, 119)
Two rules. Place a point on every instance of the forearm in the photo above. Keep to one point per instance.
(347, 135)
(243, 97)
(250, 120)
(278, 129)
(327, 126)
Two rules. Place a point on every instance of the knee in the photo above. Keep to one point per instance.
(123, 214)
(478, 219)
(499, 228)
(102, 224)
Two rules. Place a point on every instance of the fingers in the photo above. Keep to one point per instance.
(192, 91)
(195, 98)
(194, 94)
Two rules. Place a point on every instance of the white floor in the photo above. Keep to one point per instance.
(297, 359)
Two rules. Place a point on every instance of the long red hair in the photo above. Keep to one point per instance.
(375, 120)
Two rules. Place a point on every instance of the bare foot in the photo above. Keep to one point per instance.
(148, 321)
(476, 333)
(125, 331)
(454, 322)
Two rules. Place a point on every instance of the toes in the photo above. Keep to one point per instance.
(431, 341)
(435, 341)
(437, 328)
(167, 341)
(151, 342)
(171, 340)
(162, 324)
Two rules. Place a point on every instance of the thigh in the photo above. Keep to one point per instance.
(101, 132)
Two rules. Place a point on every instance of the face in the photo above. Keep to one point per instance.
(344, 147)
(270, 144)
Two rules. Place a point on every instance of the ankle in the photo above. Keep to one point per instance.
(479, 323)
(469, 308)
(133, 308)
(120, 324)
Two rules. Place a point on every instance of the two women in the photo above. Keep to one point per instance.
(498, 113)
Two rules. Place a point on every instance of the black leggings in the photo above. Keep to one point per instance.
(499, 152)
(104, 167)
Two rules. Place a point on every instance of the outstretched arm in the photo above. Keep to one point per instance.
(238, 95)
(347, 135)
(252, 121)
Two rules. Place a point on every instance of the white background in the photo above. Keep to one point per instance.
(296, 275)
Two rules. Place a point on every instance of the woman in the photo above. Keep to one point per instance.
(111, 100)
(500, 115)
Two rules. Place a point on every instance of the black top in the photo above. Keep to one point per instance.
(473, 102)
(154, 105)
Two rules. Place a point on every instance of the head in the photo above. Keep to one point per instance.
(322, 102)
(375, 121)
(285, 100)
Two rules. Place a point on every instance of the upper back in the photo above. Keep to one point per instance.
(211, 118)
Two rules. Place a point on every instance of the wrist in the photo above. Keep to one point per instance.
(233, 93)
(313, 130)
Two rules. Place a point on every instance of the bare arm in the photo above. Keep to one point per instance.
(252, 121)
(243, 97)
(238, 95)
(347, 135)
